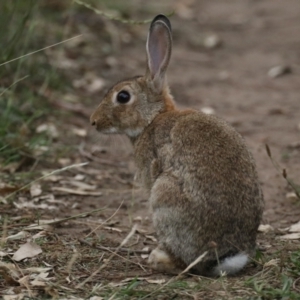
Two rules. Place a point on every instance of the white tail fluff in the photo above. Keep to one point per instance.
(231, 265)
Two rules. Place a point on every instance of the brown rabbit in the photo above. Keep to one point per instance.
(204, 190)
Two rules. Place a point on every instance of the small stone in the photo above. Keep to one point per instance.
(208, 110)
(278, 71)
(291, 196)
(212, 41)
(265, 228)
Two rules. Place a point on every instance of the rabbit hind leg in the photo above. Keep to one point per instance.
(161, 261)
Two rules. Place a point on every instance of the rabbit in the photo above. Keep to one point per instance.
(203, 186)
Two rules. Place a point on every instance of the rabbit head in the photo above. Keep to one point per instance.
(132, 104)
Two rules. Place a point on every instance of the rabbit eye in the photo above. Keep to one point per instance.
(123, 97)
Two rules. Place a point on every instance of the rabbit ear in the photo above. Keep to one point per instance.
(159, 46)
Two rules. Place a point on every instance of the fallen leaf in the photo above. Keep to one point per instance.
(30, 249)
(37, 283)
(4, 190)
(212, 41)
(291, 236)
(291, 196)
(81, 185)
(76, 192)
(18, 236)
(96, 298)
(79, 131)
(79, 177)
(39, 235)
(14, 297)
(24, 281)
(50, 129)
(35, 190)
(208, 110)
(112, 229)
(265, 228)
(295, 227)
(37, 270)
(64, 161)
(155, 281)
(145, 256)
(152, 238)
(272, 262)
(31, 204)
(278, 71)
(2, 254)
(52, 178)
(42, 225)
(10, 269)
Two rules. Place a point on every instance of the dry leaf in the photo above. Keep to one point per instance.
(265, 228)
(50, 129)
(279, 71)
(155, 281)
(295, 227)
(291, 236)
(10, 269)
(14, 297)
(145, 256)
(2, 254)
(79, 131)
(208, 110)
(64, 161)
(18, 236)
(152, 238)
(81, 185)
(37, 283)
(30, 249)
(24, 281)
(35, 190)
(79, 177)
(96, 298)
(291, 196)
(36, 270)
(76, 192)
(272, 262)
(112, 229)
(39, 235)
(52, 178)
(31, 204)
(42, 225)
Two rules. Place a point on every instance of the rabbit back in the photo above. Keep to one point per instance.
(204, 186)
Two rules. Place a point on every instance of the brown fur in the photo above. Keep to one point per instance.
(200, 175)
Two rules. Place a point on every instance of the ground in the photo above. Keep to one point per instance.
(231, 78)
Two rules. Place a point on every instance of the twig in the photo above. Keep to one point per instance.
(44, 176)
(127, 238)
(114, 18)
(179, 275)
(97, 159)
(114, 249)
(99, 226)
(282, 172)
(13, 84)
(75, 217)
(192, 264)
(7, 62)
